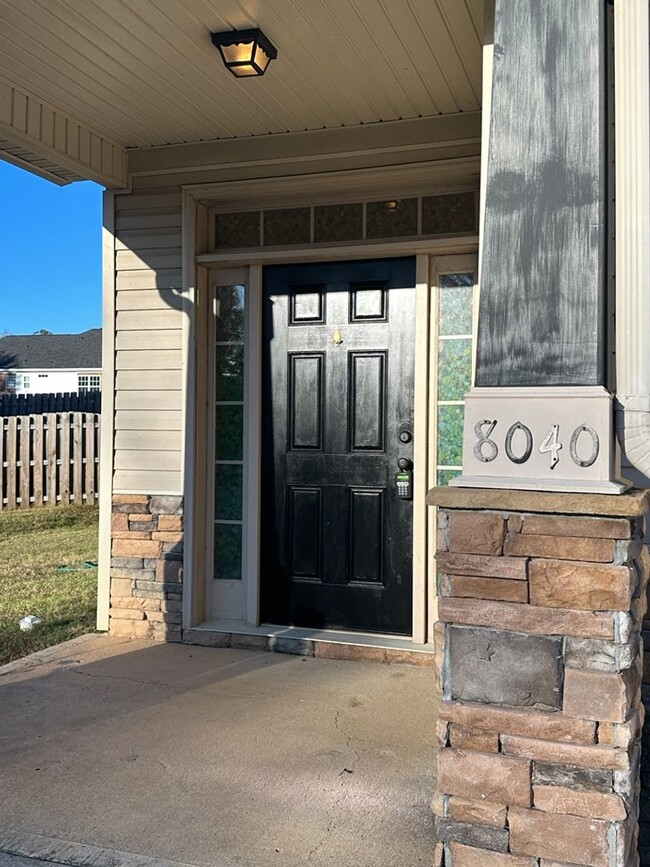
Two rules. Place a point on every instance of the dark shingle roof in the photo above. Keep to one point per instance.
(52, 351)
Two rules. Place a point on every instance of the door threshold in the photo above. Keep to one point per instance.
(321, 643)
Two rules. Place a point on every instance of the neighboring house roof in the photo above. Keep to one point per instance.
(52, 351)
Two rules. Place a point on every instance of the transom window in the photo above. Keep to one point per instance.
(413, 217)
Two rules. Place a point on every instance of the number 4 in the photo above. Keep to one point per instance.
(551, 445)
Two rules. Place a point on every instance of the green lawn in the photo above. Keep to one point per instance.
(34, 545)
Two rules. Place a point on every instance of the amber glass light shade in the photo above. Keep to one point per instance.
(245, 53)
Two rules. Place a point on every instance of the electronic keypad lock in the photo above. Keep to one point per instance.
(404, 479)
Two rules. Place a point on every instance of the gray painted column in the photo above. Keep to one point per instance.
(543, 288)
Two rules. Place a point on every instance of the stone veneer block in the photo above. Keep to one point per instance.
(499, 589)
(544, 862)
(571, 754)
(560, 547)
(121, 499)
(474, 534)
(595, 655)
(597, 695)
(589, 805)
(121, 586)
(634, 503)
(119, 522)
(480, 812)
(464, 856)
(482, 566)
(135, 548)
(484, 837)
(526, 618)
(485, 665)
(486, 776)
(462, 738)
(572, 777)
(563, 525)
(534, 724)
(560, 584)
(584, 841)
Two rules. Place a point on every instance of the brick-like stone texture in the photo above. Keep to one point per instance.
(146, 567)
(584, 841)
(589, 805)
(527, 618)
(500, 589)
(479, 836)
(593, 655)
(478, 812)
(462, 738)
(572, 777)
(571, 754)
(538, 648)
(570, 525)
(597, 695)
(464, 856)
(560, 547)
(476, 534)
(483, 776)
(482, 566)
(549, 726)
(589, 586)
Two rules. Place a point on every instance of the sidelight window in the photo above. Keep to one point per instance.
(455, 351)
(228, 431)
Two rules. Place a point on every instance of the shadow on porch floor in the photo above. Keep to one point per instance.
(215, 757)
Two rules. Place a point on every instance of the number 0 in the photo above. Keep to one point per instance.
(529, 443)
(573, 446)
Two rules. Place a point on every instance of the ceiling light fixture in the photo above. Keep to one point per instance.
(245, 52)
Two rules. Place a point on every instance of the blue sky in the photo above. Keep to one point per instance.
(50, 254)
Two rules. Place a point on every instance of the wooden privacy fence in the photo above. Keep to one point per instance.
(49, 459)
(39, 404)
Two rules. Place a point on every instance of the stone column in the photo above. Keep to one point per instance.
(539, 665)
(146, 591)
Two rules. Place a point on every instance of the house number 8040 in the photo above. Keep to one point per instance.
(486, 450)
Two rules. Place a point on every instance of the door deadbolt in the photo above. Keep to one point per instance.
(405, 436)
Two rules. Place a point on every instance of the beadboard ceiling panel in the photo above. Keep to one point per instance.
(145, 73)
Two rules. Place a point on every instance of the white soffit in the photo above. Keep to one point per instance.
(52, 145)
(145, 73)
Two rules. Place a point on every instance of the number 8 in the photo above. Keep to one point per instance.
(484, 440)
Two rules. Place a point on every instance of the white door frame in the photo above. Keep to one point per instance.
(196, 281)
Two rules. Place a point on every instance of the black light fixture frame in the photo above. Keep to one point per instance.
(233, 37)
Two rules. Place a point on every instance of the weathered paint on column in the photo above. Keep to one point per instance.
(542, 310)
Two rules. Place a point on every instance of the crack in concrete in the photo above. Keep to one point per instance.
(331, 820)
(348, 744)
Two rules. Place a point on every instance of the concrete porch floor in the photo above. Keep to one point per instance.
(118, 752)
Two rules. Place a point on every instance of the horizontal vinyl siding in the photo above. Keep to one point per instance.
(141, 440)
(148, 419)
(161, 339)
(148, 358)
(154, 380)
(149, 481)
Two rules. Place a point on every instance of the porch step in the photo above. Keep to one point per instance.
(323, 644)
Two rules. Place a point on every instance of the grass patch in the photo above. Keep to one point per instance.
(33, 545)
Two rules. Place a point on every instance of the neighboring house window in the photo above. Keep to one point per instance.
(26, 382)
(12, 381)
(89, 382)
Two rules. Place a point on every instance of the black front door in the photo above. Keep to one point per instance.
(337, 415)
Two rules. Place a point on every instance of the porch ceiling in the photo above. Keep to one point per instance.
(145, 74)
